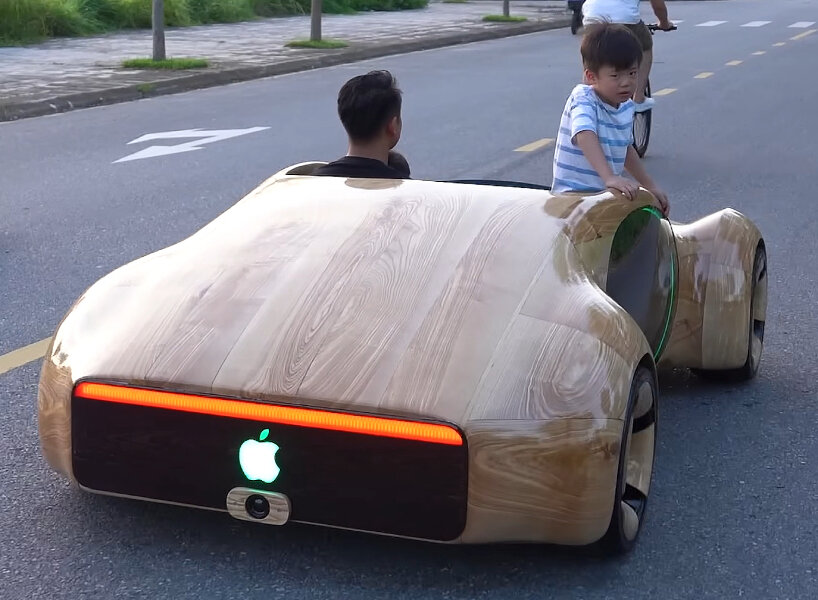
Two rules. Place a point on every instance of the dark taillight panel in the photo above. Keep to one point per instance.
(334, 477)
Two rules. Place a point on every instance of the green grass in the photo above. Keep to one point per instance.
(168, 63)
(504, 19)
(23, 21)
(317, 44)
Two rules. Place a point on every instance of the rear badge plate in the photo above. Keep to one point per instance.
(259, 506)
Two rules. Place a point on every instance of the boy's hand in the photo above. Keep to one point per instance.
(662, 198)
(629, 188)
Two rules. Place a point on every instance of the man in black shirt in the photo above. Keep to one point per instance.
(370, 110)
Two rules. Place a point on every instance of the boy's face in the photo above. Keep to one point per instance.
(613, 85)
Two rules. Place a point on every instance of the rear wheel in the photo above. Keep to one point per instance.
(641, 128)
(756, 322)
(635, 469)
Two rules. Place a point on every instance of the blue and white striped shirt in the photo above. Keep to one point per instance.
(585, 111)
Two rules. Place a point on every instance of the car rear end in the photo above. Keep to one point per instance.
(364, 472)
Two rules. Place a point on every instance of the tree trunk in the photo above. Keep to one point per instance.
(315, 20)
(505, 8)
(158, 29)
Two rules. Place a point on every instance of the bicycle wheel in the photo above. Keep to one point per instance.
(641, 127)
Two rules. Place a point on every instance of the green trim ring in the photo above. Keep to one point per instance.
(672, 304)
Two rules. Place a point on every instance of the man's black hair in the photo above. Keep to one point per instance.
(366, 103)
(610, 45)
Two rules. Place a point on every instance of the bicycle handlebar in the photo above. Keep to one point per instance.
(654, 27)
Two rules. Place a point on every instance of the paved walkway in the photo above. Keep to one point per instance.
(66, 73)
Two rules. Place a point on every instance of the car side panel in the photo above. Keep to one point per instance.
(541, 481)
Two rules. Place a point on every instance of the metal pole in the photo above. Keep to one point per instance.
(505, 8)
(315, 20)
(158, 29)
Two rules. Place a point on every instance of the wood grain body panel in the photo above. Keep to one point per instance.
(54, 410)
(282, 353)
(477, 305)
(446, 359)
(581, 304)
(381, 296)
(541, 480)
(710, 329)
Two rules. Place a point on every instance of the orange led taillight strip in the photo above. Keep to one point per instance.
(285, 415)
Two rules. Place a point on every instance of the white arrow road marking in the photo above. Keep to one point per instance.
(205, 137)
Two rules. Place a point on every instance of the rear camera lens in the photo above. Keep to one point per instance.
(257, 506)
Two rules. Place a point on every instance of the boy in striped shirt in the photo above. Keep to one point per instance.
(595, 140)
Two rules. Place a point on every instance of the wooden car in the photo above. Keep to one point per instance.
(447, 361)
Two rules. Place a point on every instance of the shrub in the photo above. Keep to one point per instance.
(30, 20)
(362, 5)
(221, 11)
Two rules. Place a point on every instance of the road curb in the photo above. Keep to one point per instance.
(13, 111)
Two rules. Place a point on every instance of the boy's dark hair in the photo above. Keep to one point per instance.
(609, 45)
(366, 103)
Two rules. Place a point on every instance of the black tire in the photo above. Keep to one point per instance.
(630, 504)
(755, 344)
(641, 127)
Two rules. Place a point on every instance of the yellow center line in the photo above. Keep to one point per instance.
(704, 75)
(24, 355)
(803, 35)
(734, 63)
(779, 44)
(759, 53)
(664, 92)
(535, 145)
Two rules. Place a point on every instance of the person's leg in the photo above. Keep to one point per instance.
(642, 77)
(642, 33)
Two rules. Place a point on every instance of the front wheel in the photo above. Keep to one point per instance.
(635, 469)
(756, 322)
(641, 128)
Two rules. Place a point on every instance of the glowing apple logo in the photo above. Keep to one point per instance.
(258, 459)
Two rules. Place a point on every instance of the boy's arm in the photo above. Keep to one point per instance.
(633, 165)
(588, 142)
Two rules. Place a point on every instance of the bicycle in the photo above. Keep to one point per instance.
(642, 120)
(575, 6)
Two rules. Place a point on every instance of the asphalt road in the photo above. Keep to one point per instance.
(733, 504)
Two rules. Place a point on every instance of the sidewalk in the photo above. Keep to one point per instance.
(69, 73)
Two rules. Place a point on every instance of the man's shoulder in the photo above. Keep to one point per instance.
(357, 166)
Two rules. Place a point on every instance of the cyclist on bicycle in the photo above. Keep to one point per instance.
(626, 12)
